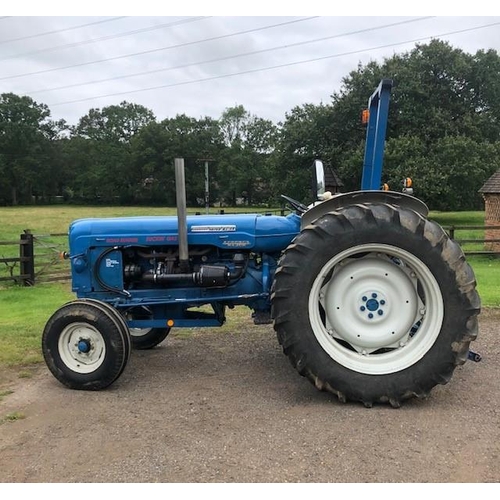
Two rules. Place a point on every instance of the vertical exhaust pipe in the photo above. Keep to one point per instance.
(180, 189)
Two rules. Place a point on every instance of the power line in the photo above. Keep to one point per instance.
(61, 30)
(219, 37)
(108, 37)
(254, 52)
(268, 68)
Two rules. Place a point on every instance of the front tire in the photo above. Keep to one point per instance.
(84, 346)
(389, 306)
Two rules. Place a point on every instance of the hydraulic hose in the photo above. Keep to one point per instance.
(98, 278)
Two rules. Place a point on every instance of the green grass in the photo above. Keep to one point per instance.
(24, 311)
(458, 218)
(12, 417)
(4, 393)
(448, 219)
(23, 314)
(486, 268)
(487, 271)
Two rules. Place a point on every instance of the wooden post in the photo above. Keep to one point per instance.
(27, 255)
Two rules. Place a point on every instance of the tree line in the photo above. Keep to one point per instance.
(443, 132)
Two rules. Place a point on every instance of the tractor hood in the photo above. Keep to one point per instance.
(251, 232)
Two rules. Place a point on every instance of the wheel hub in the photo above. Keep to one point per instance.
(373, 306)
(81, 347)
(371, 303)
(84, 345)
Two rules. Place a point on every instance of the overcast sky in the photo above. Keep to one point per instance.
(200, 63)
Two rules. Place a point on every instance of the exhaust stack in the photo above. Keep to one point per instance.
(180, 189)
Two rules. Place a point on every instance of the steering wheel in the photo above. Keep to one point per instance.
(299, 207)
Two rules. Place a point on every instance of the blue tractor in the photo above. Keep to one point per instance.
(370, 300)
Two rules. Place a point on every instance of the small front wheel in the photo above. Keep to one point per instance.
(84, 346)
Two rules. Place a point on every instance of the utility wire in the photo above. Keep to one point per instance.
(220, 37)
(268, 68)
(219, 59)
(62, 30)
(108, 37)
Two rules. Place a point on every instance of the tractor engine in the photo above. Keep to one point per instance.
(160, 268)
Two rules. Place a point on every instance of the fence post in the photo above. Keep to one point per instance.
(27, 254)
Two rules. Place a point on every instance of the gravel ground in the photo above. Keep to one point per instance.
(219, 407)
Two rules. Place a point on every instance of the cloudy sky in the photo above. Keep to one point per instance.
(200, 62)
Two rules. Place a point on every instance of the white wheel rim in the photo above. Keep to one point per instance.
(81, 348)
(376, 309)
(139, 332)
(136, 332)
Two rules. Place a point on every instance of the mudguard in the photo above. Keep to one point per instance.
(357, 197)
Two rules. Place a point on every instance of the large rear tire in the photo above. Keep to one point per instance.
(375, 303)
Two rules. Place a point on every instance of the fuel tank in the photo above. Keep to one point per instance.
(250, 232)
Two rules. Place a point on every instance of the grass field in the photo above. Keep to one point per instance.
(24, 311)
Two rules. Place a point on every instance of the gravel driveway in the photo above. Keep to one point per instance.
(222, 407)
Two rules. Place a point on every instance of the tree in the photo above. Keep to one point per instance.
(101, 142)
(232, 124)
(244, 168)
(306, 134)
(157, 145)
(26, 155)
(444, 100)
(114, 123)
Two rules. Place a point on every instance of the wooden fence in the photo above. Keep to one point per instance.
(470, 245)
(39, 259)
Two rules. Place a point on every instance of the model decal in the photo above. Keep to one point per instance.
(213, 229)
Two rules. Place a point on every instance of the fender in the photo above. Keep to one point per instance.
(359, 197)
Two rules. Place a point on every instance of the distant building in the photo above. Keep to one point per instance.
(333, 183)
(491, 196)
